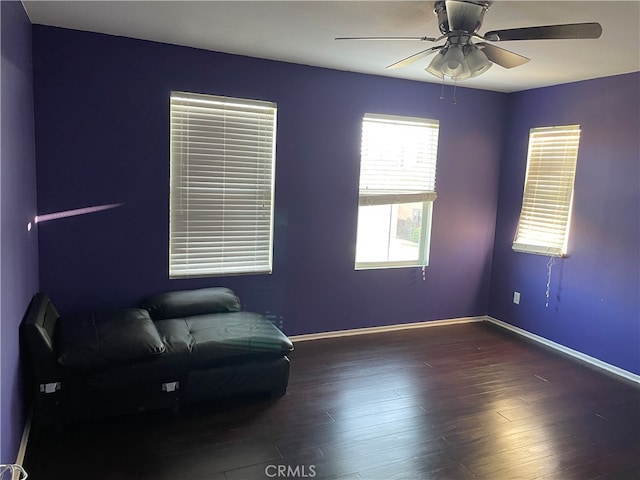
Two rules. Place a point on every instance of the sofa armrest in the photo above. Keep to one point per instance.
(36, 332)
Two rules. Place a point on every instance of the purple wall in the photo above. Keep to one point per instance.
(102, 122)
(594, 302)
(18, 251)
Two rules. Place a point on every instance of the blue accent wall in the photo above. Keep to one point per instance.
(18, 251)
(102, 111)
(594, 303)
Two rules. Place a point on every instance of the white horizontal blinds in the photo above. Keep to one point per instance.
(222, 184)
(398, 160)
(543, 227)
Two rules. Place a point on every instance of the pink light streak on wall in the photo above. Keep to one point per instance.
(75, 212)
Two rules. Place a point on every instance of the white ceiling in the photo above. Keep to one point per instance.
(303, 32)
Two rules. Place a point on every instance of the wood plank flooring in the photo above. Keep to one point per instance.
(467, 401)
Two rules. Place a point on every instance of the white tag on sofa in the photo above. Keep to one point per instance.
(50, 387)
(170, 386)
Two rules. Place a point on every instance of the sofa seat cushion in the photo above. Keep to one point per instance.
(225, 338)
(99, 340)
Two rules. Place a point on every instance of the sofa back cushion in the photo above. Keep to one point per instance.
(186, 303)
(97, 340)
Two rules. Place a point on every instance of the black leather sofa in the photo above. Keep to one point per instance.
(177, 348)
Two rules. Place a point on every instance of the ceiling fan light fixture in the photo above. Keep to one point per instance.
(464, 75)
(459, 62)
(477, 62)
(435, 67)
(453, 64)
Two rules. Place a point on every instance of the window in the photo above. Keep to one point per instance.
(397, 190)
(222, 185)
(543, 227)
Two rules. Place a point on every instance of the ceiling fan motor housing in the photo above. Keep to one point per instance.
(460, 15)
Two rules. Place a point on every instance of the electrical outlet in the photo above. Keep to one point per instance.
(516, 298)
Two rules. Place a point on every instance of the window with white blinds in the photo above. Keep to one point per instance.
(222, 185)
(396, 190)
(543, 227)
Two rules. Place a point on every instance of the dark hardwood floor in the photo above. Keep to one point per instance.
(467, 401)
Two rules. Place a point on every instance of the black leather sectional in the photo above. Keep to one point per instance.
(177, 348)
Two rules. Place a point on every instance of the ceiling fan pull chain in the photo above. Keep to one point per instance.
(442, 89)
(455, 84)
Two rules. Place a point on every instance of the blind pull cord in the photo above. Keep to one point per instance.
(550, 265)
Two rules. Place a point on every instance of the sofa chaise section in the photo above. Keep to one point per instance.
(177, 348)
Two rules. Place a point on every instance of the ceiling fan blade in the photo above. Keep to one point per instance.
(547, 32)
(421, 39)
(465, 16)
(412, 58)
(502, 57)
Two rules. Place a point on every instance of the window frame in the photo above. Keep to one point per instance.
(547, 200)
(222, 185)
(426, 194)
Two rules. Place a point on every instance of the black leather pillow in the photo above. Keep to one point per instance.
(100, 339)
(186, 303)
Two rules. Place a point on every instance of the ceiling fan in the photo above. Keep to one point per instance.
(460, 59)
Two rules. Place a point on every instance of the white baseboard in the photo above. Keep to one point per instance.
(22, 450)
(385, 328)
(568, 351)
